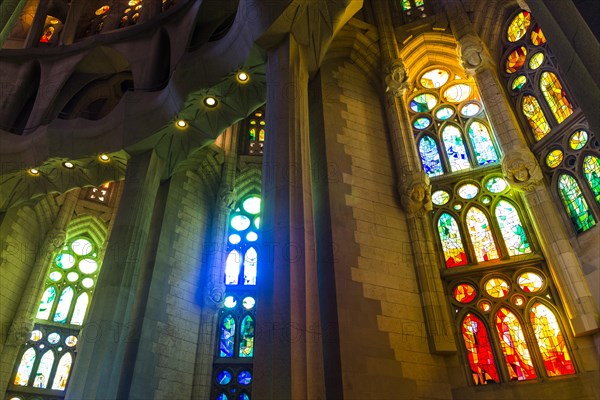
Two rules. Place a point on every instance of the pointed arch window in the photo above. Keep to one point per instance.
(575, 203)
(591, 168)
(514, 347)
(479, 350)
(481, 235)
(536, 118)
(555, 96)
(454, 251)
(512, 229)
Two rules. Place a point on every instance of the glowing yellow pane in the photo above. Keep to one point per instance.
(519, 82)
(518, 26)
(496, 287)
(536, 60)
(457, 93)
(536, 118)
(554, 158)
(434, 79)
(537, 36)
(578, 140)
(516, 59)
(530, 282)
(555, 96)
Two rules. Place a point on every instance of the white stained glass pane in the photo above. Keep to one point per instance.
(43, 372)
(234, 239)
(251, 237)
(232, 267)
(65, 260)
(46, 304)
(62, 372)
(250, 261)
(252, 205)
(80, 309)
(240, 222)
(25, 367)
(64, 304)
(82, 247)
(88, 266)
(87, 283)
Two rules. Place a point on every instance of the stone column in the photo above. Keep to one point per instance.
(72, 22)
(100, 363)
(25, 316)
(150, 9)
(577, 52)
(37, 26)
(523, 173)
(414, 188)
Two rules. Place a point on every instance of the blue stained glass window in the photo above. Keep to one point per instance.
(247, 337)
(227, 337)
(455, 148)
(576, 206)
(224, 377)
(244, 377)
(485, 151)
(430, 157)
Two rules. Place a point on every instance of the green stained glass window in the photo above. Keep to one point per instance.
(227, 339)
(421, 123)
(555, 96)
(455, 148)
(536, 118)
(444, 113)
(454, 251)
(591, 168)
(496, 184)
(423, 102)
(481, 235)
(247, 337)
(406, 5)
(575, 204)
(512, 229)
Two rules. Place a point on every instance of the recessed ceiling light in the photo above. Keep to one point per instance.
(33, 171)
(181, 123)
(210, 101)
(68, 164)
(104, 157)
(242, 77)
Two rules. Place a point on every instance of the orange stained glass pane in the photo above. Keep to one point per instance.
(481, 235)
(536, 118)
(555, 96)
(518, 27)
(464, 293)
(537, 36)
(551, 341)
(516, 354)
(516, 59)
(477, 343)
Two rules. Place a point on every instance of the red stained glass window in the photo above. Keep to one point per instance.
(550, 341)
(516, 353)
(479, 350)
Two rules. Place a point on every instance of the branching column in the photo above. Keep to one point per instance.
(523, 173)
(414, 187)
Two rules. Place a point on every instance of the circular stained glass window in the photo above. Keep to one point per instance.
(251, 236)
(440, 197)
(530, 282)
(536, 60)
(55, 276)
(252, 205)
(470, 109)
(516, 59)
(518, 83)
(53, 338)
(457, 206)
(222, 396)
(486, 199)
(496, 287)
(71, 341)
(224, 377)
(554, 158)
(230, 302)
(468, 191)
(72, 276)
(496, 184)
(65, 260)
(36, 335)
(244, 396)
(464, 293)
(423, 102)
(518, 300)
(421, 123)
(240, 222)
(82, 247)
(244, 377)
(234, 239)
(457, 93)
(435, 78)
(537, 36)
(518, 26)
(248, 302)
(444, 113)
(87, 282)
(88, 266)
(485, 305)
(578, 139)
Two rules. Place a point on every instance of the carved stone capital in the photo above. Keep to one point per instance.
(396, 77)
(521, 170)
(20, 331)
(214, 296)
(226, 198)
(472, 54)
(55, 240)
(415, 194)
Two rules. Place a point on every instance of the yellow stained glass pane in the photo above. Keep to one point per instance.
(457, 93)
(481, 235)
(554, 158)
(519, 82)
(555, 96)
(435, 78)
(405, 5)
(536, 118)
(530, 282)
(537, 36)
(536, 60)
(551, 342)
(578, 139)
(496, 287)
(518, 26)
(516, 59)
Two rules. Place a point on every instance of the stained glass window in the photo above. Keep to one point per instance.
(512, 229)
(536, 60)
(575, 204)
(434, 78)
(485, 151)
(496, 287)
(455, 148)
(457, 93)
(578, 139)
(518, 26)
(519, 82)
(242, 259)
(430, 157)
(481, 235)
(516, 59)
(227, 340)
(256, 125)
(554, 158)
(555, 96)
(535, 117)
(465, 293)
(423, 102)
(591, 168)
(530, 282)
(247, 337)
(553, 348)
(479, 351)
(454, 251)
(514, 347)
(537, 36)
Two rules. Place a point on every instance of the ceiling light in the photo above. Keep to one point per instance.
(33, 171)
(210, 101)
(242, 77)
(104, 157)
(68, 164)
(181, 123)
